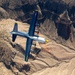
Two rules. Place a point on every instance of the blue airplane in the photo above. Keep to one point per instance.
(30, 35)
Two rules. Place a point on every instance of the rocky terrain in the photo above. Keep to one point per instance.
(23, 9)
(52, 59)
(57, 57)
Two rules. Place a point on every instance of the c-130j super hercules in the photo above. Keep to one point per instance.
(30, 35)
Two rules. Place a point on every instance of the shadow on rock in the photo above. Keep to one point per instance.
(19, 48)
(25, 67)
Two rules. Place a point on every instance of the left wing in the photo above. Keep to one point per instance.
(28, 48)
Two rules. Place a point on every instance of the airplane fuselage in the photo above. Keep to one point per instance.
(22, 34)
(26, 35)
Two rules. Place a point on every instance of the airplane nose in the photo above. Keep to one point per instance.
(47, 41)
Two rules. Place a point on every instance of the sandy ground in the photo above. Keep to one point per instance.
(53, 58)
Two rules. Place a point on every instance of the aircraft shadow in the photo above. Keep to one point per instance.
(21, 50)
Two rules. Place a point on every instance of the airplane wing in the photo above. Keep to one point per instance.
(31, 33)
(33, 24)
(28, 48)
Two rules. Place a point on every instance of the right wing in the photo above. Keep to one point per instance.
(33, 24)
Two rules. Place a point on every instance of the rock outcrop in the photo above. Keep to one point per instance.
(22, 9)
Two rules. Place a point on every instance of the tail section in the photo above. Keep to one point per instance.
(15, 29)
(14, 37)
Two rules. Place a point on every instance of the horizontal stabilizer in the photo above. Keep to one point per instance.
(14, 37)
(15, 27)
